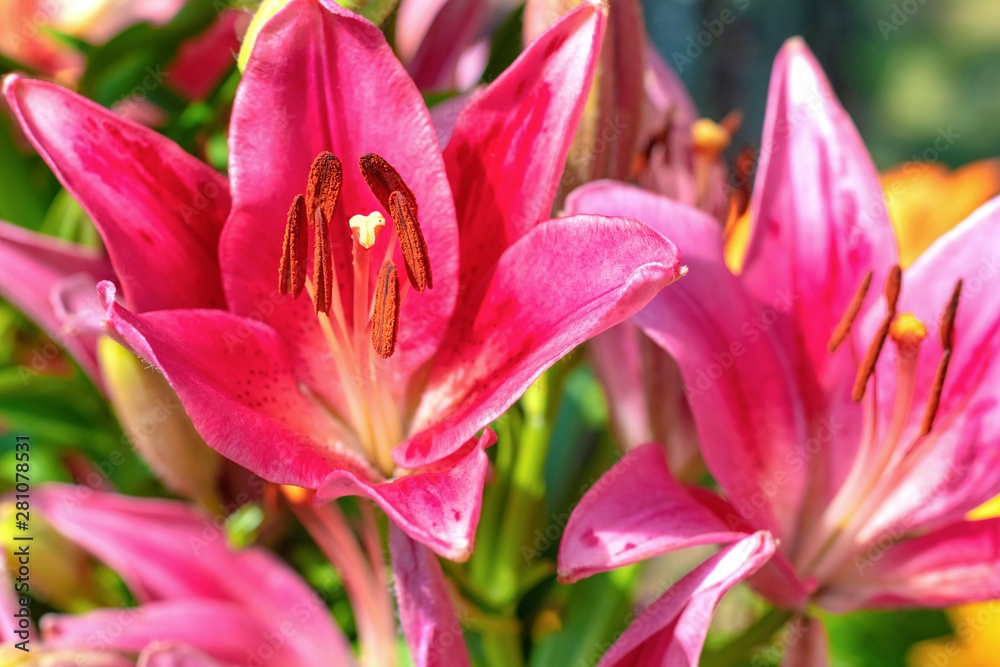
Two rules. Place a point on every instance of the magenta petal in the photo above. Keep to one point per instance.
(165, 552)
(158, 209)
(957, 564)
(736, 376)
(671, 630)
(819, 220)
(564, 281)
(173, 655)
(425, 611)
(321, 78)
(503, 184)
(36, 271)
(453, 29)
(957, 472)
(234, 378)
(634, 512)
(223, 630)
(806, 644)
(438, 506)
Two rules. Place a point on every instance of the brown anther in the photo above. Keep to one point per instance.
(323, 283)
(892, 287)
(934, 402)
(948, 318)
(292, 269)
(871, 356)
(383, 180)
(326, 177)
(411, 241)
(385, 313)
(847, 321)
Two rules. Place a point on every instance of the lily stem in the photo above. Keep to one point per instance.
(740, 649)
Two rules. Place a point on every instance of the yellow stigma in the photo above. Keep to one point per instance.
(709, 136)
(366, 228)
(908, 329)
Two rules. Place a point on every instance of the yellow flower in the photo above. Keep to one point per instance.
(926, 199)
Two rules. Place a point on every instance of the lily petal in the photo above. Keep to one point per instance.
(819, 216)
(438, 506)
(597, 272)
(451, 31)
(167, 552)
(321, 78)
(672, 630)
(503, 184)
(158, 209)
(744, 403)
(171, 655)
(234, 377)
(35, 270)
(223, 630)
(957, 564)
(819, 224)
(634, 512)
(425, 610)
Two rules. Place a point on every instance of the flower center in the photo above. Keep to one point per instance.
(372, 410)
(882, 461)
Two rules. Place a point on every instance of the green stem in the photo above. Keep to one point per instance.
(502, 649)
(756, 635)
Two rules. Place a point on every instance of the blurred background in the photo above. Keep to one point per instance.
(921, 78)
(906, 70)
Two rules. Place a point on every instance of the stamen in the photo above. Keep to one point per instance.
(292, 269)
(847, 321)
(935, 399)
(326, 177)
(323, 284)
(947, 342)
(366, 228)
(892, 287)
(383, 180)
(871, 356)
(385, 315)
(411, 241)
(948, 318)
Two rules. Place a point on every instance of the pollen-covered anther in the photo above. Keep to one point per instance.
(366, 228)
(292, 269)
(385, 312)
(383, 179)
(947, 342)
(323, 284)
(948, 318)
(326, 178)
(847, 321)
(411, 241)
(893, 285)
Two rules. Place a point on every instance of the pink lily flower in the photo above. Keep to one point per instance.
(863, 457)
(195, 607)
(377, 386)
